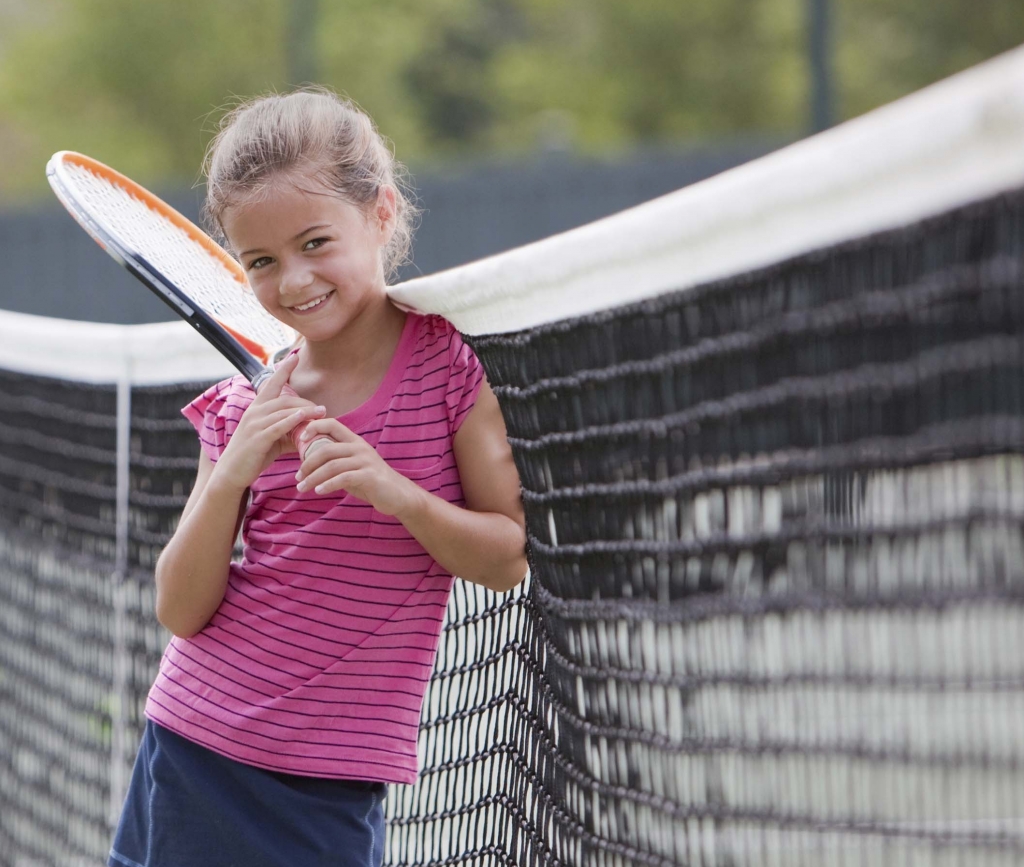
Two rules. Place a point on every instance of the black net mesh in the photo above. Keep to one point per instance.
(776, 538)
(776, 613)
(79, 643)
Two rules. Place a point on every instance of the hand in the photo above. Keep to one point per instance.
(263, 433)
(348, 462)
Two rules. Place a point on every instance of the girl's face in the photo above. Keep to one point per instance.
(313, 260)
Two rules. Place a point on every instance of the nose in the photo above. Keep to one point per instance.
(295, 279)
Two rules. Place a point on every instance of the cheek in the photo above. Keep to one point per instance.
(374, 259)
(262, 290)
(361, 266)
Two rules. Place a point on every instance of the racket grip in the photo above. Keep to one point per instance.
(303, 448)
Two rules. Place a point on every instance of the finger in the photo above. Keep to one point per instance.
(306, 411)
(307, 447)
(330, 427)
(326, 472)
(278, 380)
(338, 482)
(283, 425)
(287, 403)
(326, 451)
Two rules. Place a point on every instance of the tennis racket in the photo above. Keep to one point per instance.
(178, 261)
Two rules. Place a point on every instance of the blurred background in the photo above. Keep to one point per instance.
(517, 118)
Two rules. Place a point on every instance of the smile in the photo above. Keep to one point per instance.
(316, 302)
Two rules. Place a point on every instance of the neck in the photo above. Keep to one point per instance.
(370, 337)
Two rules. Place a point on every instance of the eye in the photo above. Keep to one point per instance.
(314, 243)
(261, 262)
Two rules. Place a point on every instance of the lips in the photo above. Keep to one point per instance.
(313, 304)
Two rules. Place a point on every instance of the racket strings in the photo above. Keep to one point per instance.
(185, 262)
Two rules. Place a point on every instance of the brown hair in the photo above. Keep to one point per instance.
(316, 133)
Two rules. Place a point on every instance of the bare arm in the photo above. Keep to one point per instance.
(484, 543)
(192, 571)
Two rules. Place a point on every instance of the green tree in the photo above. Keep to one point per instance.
(135, 84)
(659, 70)
(141, 84)
(889, 48)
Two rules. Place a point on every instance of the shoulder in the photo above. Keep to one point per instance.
(437, 346)
(215, 413)
(462, 369)
(235, 392)
(442, 374)
(433, 330)
(437, 338)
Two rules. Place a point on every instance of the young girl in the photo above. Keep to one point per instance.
(290, 693)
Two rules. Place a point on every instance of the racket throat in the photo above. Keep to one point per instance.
(260, 378)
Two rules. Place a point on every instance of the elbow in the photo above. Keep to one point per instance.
(511, 585)
(164, 610)
(517, 570)
(172, 625)
(169, 615)
(512, 578)
(172, 620)
(500, 579)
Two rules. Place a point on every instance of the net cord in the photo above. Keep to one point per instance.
(158, 354)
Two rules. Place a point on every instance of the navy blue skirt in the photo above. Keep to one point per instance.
(189, 806)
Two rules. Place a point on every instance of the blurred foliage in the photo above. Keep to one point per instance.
(141, 83)
(888, 48)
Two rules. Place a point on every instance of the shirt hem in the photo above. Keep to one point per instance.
(398, 777)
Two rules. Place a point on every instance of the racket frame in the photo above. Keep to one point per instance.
(227, 343)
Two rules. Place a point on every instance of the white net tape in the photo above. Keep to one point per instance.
(953, 143)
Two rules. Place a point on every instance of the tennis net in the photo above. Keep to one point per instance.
(770, 431)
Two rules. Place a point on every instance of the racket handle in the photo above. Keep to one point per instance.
(308, 447)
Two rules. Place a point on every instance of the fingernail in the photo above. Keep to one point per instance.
(321, 409)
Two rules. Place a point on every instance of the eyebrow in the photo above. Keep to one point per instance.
(296, 238)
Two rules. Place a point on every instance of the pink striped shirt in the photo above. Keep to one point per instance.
(317, 660)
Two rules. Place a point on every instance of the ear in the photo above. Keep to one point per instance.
(385, 212)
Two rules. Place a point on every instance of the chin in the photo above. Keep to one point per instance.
(318, 332)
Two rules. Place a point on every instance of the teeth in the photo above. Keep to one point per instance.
(312, 303)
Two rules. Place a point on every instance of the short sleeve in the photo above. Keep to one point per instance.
(466, 375)
(216, 412)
